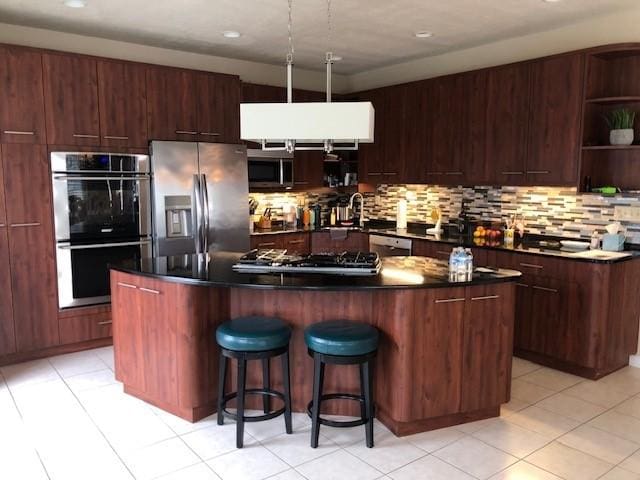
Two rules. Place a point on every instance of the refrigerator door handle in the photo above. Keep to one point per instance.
(205, 210)
(197, 208)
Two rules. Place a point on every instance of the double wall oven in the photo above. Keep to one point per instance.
(102, 207)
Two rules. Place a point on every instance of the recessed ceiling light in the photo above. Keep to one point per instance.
(75, 3)
(424, 34)
(231, 34)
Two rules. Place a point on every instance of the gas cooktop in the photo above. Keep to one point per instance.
(279, 261)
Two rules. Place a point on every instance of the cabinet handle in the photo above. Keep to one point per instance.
(126, 285)
(453, 173)
(531, 265)
(545, 289)
(524, 285)
(442, 252)
(106, 322)
(450, 300)
(486, 297)
(185, 132)
(18, 132)
(268, 244)
(85, 135)
(115, 137)
(294, 242)
(2, 225)
(538, 172)
(210, 134)
(14, 225)
(301, 183)
(390, 173)
(512, 173)
(149, 290)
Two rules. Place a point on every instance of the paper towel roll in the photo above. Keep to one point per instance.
(401, 215)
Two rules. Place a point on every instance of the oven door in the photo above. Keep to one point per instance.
(83, 269)
(101, 207)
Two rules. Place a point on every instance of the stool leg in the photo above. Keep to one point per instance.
(266, 383)
(242, 370)
(318, 380)
(363, 404)
(368, 398)
(222, 374)
(286, 381)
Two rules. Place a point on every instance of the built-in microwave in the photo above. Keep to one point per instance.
(270, 169)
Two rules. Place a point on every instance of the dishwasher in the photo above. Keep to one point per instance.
(389, 246)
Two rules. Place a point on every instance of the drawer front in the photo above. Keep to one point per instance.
(266, 241)
(296, 243)
(86, 327)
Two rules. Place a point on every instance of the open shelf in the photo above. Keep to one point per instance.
(611, 147)
(613, 100)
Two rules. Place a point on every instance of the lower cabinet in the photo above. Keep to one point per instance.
(7, 329)
(322, 242)
(298, 243)
(83, 324)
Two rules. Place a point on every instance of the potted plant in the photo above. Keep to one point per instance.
(621, 125)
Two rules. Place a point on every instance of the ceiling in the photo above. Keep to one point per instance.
(366, 33)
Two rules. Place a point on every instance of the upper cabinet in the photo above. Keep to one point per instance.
(218, 108)
(71, 99)
(193, 106)
(21, 96)
(122, 95)
(371, 156)
(172, 104)
(555, 124)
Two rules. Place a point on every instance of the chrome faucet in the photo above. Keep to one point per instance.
(358, 194)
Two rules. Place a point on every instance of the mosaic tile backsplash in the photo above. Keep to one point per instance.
(546, 210)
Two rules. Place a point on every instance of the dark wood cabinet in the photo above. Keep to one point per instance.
(172, 104)
(555, 122)
(122, 101)
(426, 248)
(266, 241)
(32, 263)
(299, 243)
(321, 242)
(371, 155)
(475, 128)
(21, 96)
(218, 106)
(71, 99)
(507, 124)
(487, 346)
(308, 169)
(7, 327)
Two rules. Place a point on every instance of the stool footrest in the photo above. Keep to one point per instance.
(339, 423)
(254, 391)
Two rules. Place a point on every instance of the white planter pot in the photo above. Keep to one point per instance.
(621, 137)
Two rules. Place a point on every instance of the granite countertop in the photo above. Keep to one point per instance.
(397, 273)
(529, 245)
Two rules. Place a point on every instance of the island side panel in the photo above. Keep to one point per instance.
(164, 345)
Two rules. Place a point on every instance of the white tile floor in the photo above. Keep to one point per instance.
(66, 418)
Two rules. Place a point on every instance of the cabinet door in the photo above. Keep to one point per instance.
(172, 104)
(321, 242)
(297, 243)
(371, 155)
(218, 108)
(437, 338)
(393, 134)
(71, 99)
(7, 330)
(308, 170)
(555, 122)
(524, 314)
(414, 133)
(474, 128)
(266, 241)
(122, 94)
(32, 263)
(21, 96)
(545, 319)
(487, 346)
(444, 119)
(507, 123)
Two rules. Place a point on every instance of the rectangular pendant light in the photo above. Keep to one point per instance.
(309, 123)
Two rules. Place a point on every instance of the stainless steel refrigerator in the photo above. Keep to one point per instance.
(200, 197)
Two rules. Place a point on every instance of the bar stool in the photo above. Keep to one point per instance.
(342, 342)
(253, 338)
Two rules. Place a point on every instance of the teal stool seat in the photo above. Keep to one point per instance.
(341, 337)
(253, 334)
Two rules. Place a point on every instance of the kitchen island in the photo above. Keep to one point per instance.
(444, 357)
